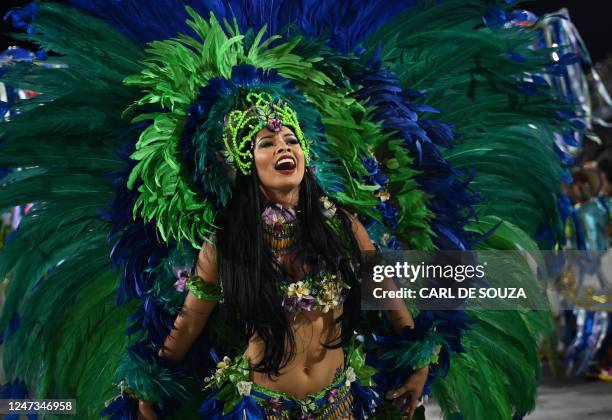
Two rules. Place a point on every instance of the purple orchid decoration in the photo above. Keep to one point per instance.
(274, 124)
(306, 303)
(295, 304)
(276, 404)
(182, 275)
(332, 395)
(277, 215)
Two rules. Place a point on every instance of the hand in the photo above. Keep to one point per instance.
(407, 396)
(146, 411)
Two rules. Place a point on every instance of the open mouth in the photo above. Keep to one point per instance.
(285, 164)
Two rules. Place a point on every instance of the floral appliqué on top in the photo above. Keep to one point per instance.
(322, 292)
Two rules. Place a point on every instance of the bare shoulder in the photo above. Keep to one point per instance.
(206, 266)
(360, 232)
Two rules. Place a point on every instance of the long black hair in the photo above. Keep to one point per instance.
(249, 272)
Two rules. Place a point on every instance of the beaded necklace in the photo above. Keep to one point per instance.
(280, 228)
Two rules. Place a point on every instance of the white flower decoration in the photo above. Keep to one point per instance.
(384, 195)
(298, 289)
(350, 376)
(329, 208)
(244, 388)
(225, 363)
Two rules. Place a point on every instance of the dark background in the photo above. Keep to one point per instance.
(593, 18)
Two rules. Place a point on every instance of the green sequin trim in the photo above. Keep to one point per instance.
(204, 291)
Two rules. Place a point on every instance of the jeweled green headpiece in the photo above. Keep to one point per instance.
(241, 126)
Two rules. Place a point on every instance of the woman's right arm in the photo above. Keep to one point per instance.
(191, 320)
(189, 323)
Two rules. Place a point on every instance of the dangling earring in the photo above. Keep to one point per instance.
(328, 208)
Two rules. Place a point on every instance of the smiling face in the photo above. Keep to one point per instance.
(279, 161)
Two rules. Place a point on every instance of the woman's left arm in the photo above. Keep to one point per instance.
(407, 396)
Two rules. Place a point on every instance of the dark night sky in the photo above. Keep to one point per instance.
(592, 18)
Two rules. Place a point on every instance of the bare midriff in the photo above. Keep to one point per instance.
(313, 367)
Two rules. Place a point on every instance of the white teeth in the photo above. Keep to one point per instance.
(285, 160)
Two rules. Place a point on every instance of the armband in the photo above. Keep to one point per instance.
(204, 291)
